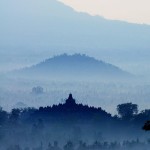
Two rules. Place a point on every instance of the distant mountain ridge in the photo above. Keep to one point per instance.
(75, 66)
(39, 28)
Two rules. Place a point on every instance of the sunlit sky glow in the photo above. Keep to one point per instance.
(137, 11)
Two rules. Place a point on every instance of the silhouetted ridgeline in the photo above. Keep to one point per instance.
(73, 67)
(63, 29)
(72, 122)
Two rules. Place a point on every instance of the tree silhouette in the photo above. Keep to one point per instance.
(69, 146)
(3, 116)
(37, 90)
(127, 110)
(14, 116)
(146, 126)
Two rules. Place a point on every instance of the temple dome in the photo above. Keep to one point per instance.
(70, 100)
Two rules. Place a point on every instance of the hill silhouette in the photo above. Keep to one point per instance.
(51, 27)
(75, 66)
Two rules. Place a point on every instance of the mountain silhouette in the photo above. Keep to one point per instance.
(53, 24)
(45, 28)
(75, 66)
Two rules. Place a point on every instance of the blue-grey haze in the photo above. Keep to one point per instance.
(32, 30)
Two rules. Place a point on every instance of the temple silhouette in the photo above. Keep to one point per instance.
(70, 101)
(70, 111)
(69, 121)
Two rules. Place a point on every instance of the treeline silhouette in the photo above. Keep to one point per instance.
(71, 121)
(70, 145)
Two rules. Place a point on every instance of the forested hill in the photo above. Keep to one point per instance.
(75, 66)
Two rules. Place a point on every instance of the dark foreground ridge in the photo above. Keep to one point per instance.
(73, 122)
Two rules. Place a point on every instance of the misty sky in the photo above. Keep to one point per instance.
(136, 11)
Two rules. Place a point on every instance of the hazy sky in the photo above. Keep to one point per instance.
(137, 11)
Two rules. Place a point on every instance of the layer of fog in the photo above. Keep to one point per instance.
(99, 94)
